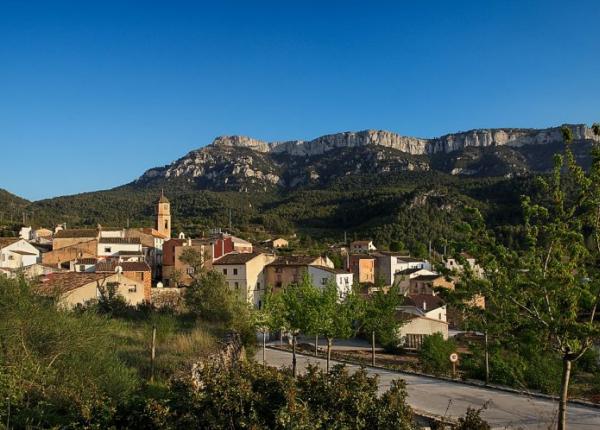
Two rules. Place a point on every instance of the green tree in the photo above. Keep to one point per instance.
(334, 316)
(552, 286)
(294, 310)
(378, 317)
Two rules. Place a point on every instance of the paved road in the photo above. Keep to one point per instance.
(505, 410)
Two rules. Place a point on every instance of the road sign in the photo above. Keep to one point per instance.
(454, 357)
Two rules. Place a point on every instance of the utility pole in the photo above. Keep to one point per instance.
(487, 359)
(373, 348)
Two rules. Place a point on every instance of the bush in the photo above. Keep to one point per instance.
(253, 396)
(435, 354)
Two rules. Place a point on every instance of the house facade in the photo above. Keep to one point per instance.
(322, 275)
(362, 246)
(17, 253)
(244, 273)
(72, 288)
(362, 266)
(290, 269)
(390, 263)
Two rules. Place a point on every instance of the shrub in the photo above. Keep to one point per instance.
(435, 354)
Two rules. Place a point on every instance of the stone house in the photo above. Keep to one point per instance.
(426, 284)
(61, 257)
(70, 237)
(136, 271)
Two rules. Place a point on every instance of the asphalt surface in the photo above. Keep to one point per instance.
(450, 399)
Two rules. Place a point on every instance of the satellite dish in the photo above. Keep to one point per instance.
(159, 285)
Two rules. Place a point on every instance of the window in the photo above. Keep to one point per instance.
(323, 281)
(190, 271)
(237, 285)
(107, 249)
(224, 271)
(440, 316)
(132, 288)
(260, 304)
(278, 284)
(235, 271)
(258, 286)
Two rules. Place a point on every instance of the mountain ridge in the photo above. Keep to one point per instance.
(243, 163)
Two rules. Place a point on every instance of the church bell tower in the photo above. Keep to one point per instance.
(163, 215)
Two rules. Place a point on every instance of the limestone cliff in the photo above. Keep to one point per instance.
(242, 163)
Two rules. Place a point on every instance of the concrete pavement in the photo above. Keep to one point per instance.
(446, 398)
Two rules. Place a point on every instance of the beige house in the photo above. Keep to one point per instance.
(278, 243)
(244, 272)
(72, 288)
(426, 284)
(290, 269)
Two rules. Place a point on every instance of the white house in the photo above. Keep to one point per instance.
(455, 265)
(117, 246)
(362, 246)
(390, 263)
(16, 253)
(322, 275)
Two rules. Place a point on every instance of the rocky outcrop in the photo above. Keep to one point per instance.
(228, 356)
(410, 145)
(242, 163)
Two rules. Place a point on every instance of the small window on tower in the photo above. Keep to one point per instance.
(166, 224)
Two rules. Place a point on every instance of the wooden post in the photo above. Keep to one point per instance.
(316, 345)
(153, 354)
(294, 355)
(264, 345)
(487, 360)
(329, 340)
(373, 348)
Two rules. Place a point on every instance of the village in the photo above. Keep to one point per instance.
(147, 265)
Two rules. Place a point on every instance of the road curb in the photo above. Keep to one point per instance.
(455, 381)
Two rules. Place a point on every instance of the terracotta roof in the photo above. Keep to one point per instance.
(76, 232)
(68, 281)
(294, 260)
(127, 266)
(363, 256)
(130, 252)
(6, 241)
(236, 258)
(361, 242)
(431, 302)
(333, 270)
(120, 240)
(152, 232)
(86, 261)
(426, 277)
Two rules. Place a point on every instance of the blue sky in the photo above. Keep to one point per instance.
(94, 93)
